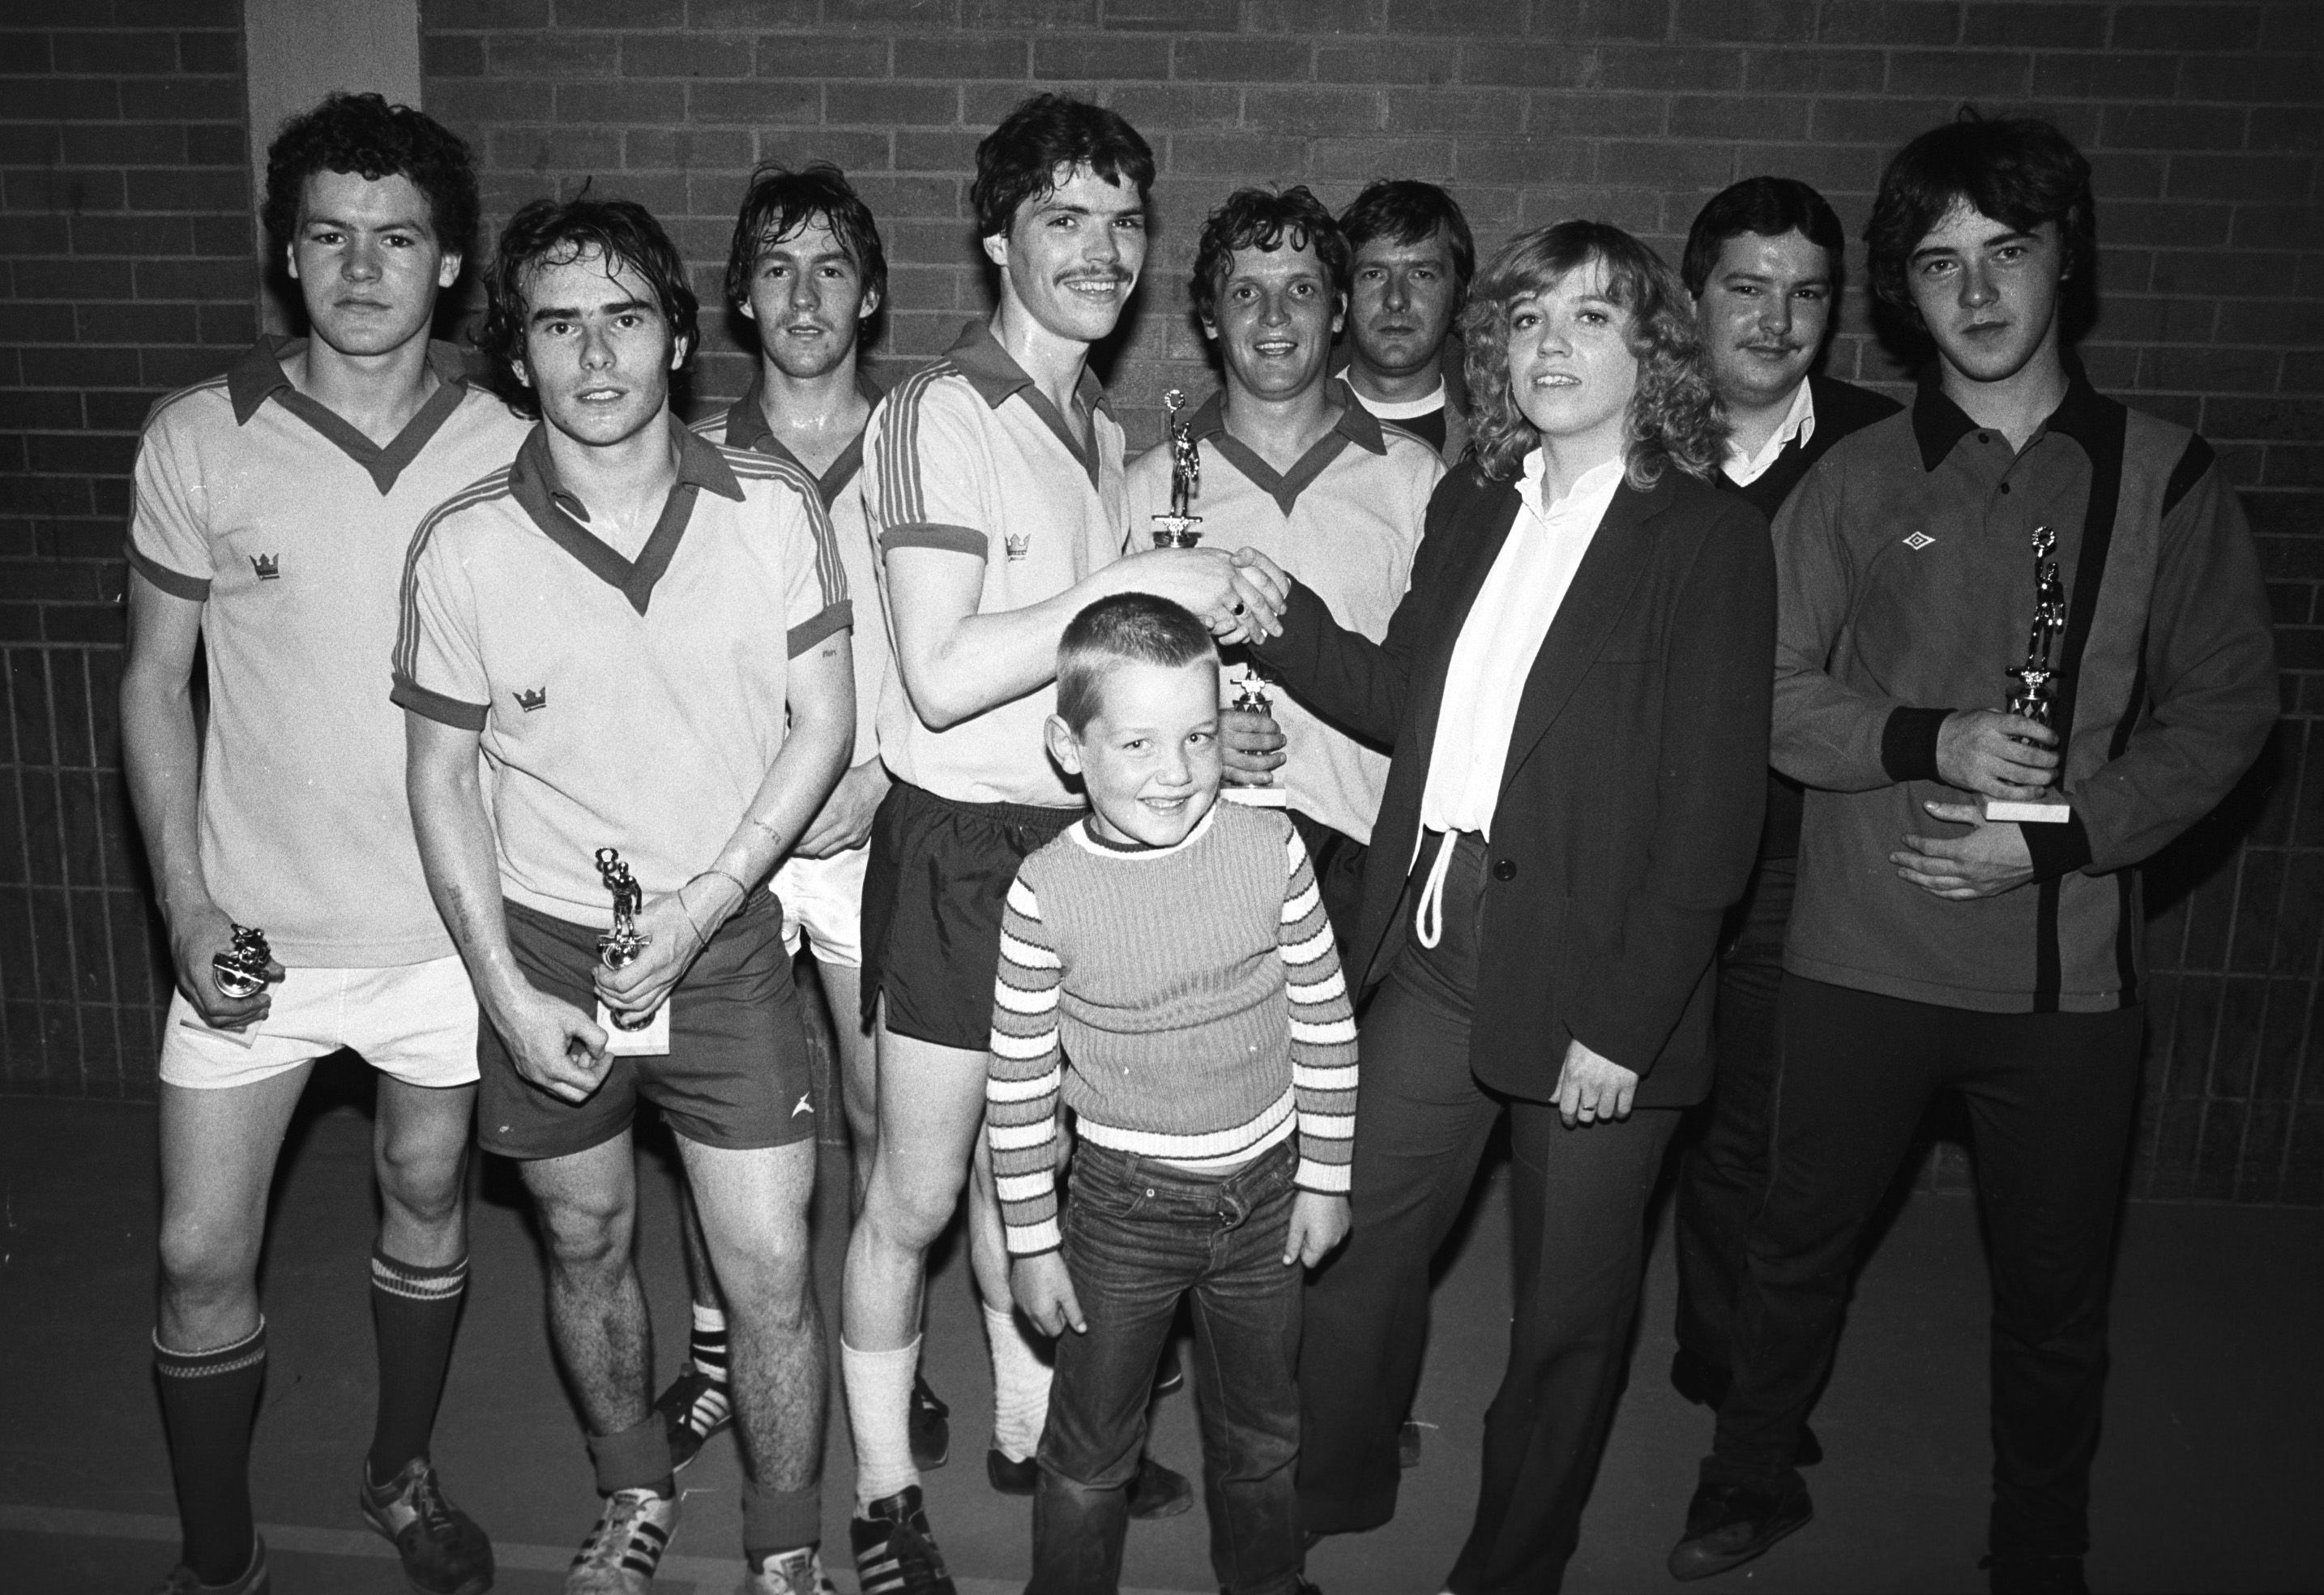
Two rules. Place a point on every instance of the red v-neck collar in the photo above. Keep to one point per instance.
(533, 483)
(1356, 425)
(746, 427)
(259, 376)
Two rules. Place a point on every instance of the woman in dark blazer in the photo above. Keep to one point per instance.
(1576, 694)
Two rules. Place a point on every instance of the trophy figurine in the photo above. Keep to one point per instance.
(242, 972)
(2035, 695)
(1251, 698)
(621, 944)
(1176, 528)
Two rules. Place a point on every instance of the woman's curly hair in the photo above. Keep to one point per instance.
(1674, 416)
(363, 134)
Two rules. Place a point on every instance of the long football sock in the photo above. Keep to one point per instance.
(879, 1387)
(413, 1311)
(706, 1347)
(1020, 1386)
(209, 1400)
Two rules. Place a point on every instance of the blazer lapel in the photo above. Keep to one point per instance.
(1600, 590)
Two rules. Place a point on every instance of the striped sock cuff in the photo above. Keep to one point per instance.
(414, 1283)
(246, 1352)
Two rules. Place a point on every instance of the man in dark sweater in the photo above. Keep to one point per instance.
(1763, 262)
(1937, 945)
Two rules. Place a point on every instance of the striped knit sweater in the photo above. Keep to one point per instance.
(1186, 1003)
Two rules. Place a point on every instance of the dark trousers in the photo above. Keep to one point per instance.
(1139, 1236)
(2051, 1097)
(1577, 1203)
(1723, 1175)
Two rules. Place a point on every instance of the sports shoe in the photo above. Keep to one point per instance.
(694, 1408)
(444, 1552)
(931, 1429)
(789, 1573)
(1155, 1491)
(1727, 1524)
(895, 1553)
(621, 1554)
(252, 1582)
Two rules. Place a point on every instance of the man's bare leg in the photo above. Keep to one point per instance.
(218, 1151)
(754, 1208)
(588, 1203)
(931, 1108)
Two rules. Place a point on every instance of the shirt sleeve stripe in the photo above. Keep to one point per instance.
(955, 539)
(836, 617)
(453, 712)
(194, 589)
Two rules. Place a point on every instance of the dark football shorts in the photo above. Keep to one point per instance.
(736, 1075)
(933, 895)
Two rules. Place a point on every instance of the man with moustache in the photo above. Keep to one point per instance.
(1293, 468)
(807, 269)
(273, 508)
(993, 483)
(1763, 262)
(1413, 259)
(639, 639)
(1934, 946)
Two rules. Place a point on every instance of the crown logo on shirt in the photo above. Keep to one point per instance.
(529, 698)
(269, 566)
(1018, 544)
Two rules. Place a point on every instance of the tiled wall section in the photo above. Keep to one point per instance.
(2202, 121)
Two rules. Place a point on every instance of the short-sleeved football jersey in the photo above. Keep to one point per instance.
(744, 425)
(968, 455)
(289, 527)
(634, 705)
(1345, 522)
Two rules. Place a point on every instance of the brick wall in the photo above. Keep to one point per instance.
(125, 271)
(2201, 119)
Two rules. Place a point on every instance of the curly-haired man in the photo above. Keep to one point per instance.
(274, 505)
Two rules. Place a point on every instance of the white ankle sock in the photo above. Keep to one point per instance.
(879, 1386)
(1020, 1386)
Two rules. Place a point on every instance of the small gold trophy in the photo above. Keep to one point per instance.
(621, 946)
(2036, 697)
(1251, 698)
(1176, 528)
(242, 972)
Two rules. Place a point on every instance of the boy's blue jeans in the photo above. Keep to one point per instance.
(1139, 1235)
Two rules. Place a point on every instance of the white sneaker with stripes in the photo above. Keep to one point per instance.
(621, 1554)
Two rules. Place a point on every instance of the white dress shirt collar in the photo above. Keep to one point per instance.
(1799, 422)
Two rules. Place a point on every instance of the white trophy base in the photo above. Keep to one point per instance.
(2028, 814)
(652, 1040)
(1256, 797)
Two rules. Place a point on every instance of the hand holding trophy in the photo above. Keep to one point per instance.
(242, 971)
(2035, 697)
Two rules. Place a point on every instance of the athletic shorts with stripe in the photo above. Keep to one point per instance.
(415, 1022)
(938, 878)
(736, 1077)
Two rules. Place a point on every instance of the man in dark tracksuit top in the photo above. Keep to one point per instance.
(1932, 947)
(1763, 262)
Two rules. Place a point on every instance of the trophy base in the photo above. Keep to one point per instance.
(649, 1040)
(1256, 797)
(2028, 814)
(1176, 531)
(235, 981)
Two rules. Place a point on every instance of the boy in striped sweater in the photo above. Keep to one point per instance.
(1168, 974)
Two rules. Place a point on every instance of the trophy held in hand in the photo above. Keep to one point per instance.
(2036, 695)
(1175, 529)
(621, 946)
(242, 971)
